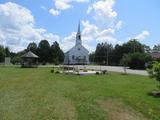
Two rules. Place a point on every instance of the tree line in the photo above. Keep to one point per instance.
(47, 53)
(132, 54)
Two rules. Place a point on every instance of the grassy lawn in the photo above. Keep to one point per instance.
(38, 94)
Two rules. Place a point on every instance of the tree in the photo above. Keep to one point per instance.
(2, 53)
(92, 57)
(7, 52)
(103, 53)
(57, 55)
(43, 51)
(136, 60)
(154, 72)
(32, 47)
(16, 60)
(133, 46)
(16, 57)
(156, 47)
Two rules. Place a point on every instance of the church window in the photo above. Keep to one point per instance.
(72, 57)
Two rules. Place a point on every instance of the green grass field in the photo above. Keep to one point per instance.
(38, 94)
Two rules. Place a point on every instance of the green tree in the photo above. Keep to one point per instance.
(136, 60)
(56, 53)
(156, 47)
(154, 72)
(43, 51)
(16, 57)
(133, 46)
(103, 53)
(16, 60)
(32, 47)
(2, 53)
(92, 57)
(7, 52)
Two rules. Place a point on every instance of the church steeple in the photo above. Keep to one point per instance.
(78, 36)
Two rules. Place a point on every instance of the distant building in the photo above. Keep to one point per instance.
(78, 54)
(29, 60)
(155, 54)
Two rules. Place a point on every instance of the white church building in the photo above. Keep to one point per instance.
(78, 54)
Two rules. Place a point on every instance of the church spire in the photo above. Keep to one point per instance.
(78, 36)
(79, 28)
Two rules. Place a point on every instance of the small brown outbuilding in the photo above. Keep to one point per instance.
(29, 60)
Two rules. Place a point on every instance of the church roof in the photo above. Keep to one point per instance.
(29, 55)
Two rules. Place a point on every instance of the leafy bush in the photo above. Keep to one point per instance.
(104, 71)
(57, 72)
(52, 71)
(154, 72)
(97, 73)
(16, 60)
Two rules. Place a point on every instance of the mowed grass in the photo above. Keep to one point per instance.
(38, 94)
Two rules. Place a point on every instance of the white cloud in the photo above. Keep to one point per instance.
(17, 27)
(66, 4)
(91, 33)
(103, 10)
(119, 25)
(143, 35)
(54, 12)
(68, 42)
(62, 4)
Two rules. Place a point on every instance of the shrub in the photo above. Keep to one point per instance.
(154, 72)
(97, 73)
(57, 72)
(16, 60)
(135, 60)
(104, 71)
(52, 71)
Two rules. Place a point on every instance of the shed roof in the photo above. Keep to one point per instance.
(29, 55)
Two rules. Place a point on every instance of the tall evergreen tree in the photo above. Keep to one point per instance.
(43, 51)
(56, 53)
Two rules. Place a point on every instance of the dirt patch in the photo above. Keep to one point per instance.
(117, 111)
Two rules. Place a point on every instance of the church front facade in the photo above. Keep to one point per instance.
(78, 54)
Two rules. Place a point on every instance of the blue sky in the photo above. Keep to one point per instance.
(112, 21)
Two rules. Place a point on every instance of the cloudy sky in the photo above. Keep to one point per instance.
(112, 21)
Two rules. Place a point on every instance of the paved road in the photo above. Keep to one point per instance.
(113, 69)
